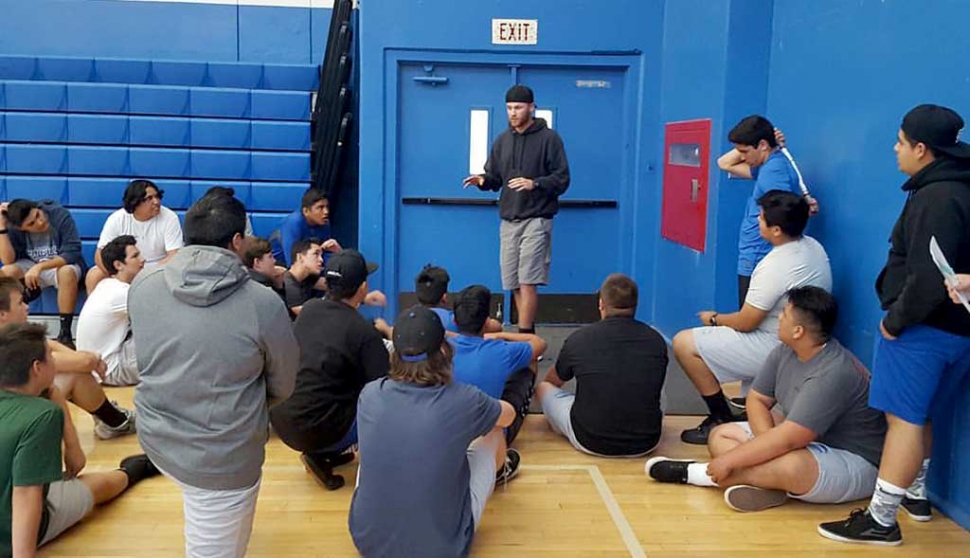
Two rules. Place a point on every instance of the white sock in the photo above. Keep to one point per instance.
(885, 502)
(917, 490)
(697, 475)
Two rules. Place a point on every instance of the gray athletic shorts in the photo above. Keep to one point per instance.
(481, 478)
(125, 373)
(842, 475)
(48, 277)
(525, 252)
(557, 404)
(734, 356)
(68, 501)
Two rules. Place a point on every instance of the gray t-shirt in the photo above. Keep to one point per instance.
(412, 497)
(794, 264)
(829, 394)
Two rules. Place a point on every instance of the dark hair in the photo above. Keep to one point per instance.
(9, 285)
(432, 371)
(214, 221)
(219, 191)
(18, 210)
(620, 295)
(312, 196)
(912, 143)
(751, 130)
(786, 210)
(255, 248)
(20, 346)
(471, 309)
(431, 284)
(135, 193)
(817, 310)
(301, 246)
(116, 251)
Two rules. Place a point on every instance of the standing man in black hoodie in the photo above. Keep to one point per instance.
(528, 166)
(924, 351)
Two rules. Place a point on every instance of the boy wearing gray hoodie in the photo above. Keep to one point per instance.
(215, 351)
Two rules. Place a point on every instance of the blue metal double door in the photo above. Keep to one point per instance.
(448, 114)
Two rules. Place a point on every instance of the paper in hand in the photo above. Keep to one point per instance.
(951, 277)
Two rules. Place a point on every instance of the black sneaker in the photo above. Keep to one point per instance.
(511, 467)
(918, 509)
(737, 403)
(321, 467)
(861, 528)
(699, 434)
(138, 468)
(663, 469)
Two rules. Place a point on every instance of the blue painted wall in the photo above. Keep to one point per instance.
(842, 76)
(164, 30)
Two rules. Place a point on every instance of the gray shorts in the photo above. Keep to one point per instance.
(525, 252)
(734, 356)
(48, 277)
(557, 405)
(481, 478)
(68, 501)
(125, 372)
(842, 475)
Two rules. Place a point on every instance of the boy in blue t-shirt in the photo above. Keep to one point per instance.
(34, 421)
(312, 220)
(757, 155)
(500, 364)
(431, 450)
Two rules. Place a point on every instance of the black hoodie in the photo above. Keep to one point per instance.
(910, 287)
(536, 153)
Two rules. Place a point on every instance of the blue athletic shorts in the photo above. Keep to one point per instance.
(915, 375)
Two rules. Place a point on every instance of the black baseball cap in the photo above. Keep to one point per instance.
(938, 127)
(348, 269)
(417, 333)
(519, 94)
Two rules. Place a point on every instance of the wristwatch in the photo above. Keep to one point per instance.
(714, 319)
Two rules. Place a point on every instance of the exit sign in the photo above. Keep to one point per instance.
(515, 31)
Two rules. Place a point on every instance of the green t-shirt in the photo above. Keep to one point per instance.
(31, 429)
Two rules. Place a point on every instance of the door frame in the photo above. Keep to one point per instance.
(629, 62)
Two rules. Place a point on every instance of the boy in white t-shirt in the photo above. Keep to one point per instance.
(734, 346)
(156, 229)
(103, 327)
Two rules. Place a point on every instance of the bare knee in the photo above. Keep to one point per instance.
(683, 343)
(726, 437)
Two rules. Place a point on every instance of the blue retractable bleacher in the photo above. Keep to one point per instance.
(78, 129)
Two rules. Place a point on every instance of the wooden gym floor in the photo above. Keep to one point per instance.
(562, 504)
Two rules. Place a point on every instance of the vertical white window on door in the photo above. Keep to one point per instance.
(478, 141)
(546, 115)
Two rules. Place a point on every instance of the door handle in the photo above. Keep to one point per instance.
(695, 186)
(433, 81)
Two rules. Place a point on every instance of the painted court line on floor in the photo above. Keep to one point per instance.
(622, 525)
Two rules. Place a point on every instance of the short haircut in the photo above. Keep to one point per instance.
(431, 284)
(116, 251)
(817, 310)
(214, 221)
(301, 246)
(471, 309)
(785, 210)
(219, 191)
(620, 295)
(751, 130)
(18, 210)
(255, 248)
(312, 196)
(135, 193)
(9, 285)
(433, 371)
(20, 346)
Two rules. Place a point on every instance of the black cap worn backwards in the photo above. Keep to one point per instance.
(519, 94)
(348, 268)
(938, 127)
(417, 333)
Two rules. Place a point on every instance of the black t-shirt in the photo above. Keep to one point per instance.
(296, 293)
(340, 351)
(620, 365)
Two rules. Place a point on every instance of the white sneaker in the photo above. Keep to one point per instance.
(105, 432)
